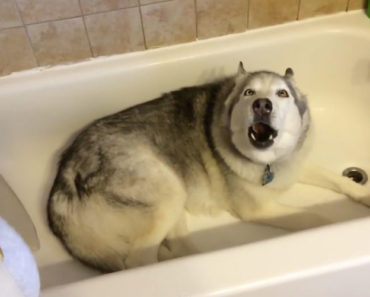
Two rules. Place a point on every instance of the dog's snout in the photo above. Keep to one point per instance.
(262, 107)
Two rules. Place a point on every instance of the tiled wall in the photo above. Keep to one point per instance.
(48, 32)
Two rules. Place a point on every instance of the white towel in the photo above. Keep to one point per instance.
(17, 264)
(8, 287)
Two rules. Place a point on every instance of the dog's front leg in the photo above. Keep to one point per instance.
(324, 178)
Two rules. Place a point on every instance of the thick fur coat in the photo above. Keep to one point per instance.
(124, 184)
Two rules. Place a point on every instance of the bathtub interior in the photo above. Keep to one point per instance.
(40, 112)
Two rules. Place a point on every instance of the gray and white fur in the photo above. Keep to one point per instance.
(124, 184)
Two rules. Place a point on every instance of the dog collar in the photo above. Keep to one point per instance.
(268, 175)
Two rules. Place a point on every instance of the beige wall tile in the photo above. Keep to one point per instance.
(311, 8)
(35, 11)
(15, 51)
(220, 17)
(115, 32)
(59, 41)
(91, 6)
(9, 16)
(356, 4)
(271, 12)
(169, 22)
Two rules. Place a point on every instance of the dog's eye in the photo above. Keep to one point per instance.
(249, 92)
(282, 93)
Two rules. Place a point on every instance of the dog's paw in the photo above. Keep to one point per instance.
(164, 253)
(176, 248)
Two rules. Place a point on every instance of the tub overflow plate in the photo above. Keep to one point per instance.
(358, 175)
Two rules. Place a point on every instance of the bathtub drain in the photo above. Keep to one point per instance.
(356, 174)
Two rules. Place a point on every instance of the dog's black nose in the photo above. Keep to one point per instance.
(262, 107)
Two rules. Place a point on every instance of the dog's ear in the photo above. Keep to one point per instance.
(241, 69)
(289, 73)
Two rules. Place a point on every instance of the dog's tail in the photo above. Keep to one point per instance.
(62, 199)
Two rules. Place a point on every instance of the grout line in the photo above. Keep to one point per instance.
(12, 27)
(347, 5)
(27, 35)
(248, 13)
(196, 20)
(108, 10)
(299, 9)
(142, 27)
(52, 21)
(86, 31)
(155, 2)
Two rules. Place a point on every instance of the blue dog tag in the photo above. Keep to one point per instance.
(268, 175)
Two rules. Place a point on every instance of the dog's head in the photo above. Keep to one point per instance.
(267, 115)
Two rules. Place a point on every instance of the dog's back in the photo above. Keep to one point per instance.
(125, 176)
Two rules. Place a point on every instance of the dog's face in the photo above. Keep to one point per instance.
(268, 116)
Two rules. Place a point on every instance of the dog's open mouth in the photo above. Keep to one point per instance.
(261, 135)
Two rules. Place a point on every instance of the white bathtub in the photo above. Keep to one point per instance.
(41, 110)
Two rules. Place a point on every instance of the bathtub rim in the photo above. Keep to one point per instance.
(332, 249)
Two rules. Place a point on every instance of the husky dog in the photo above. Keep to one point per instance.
(236, 144)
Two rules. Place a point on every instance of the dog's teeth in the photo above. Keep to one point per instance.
(270, 138)
(253, 136)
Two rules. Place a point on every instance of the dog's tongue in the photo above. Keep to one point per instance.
(262, 131)
(261, 135)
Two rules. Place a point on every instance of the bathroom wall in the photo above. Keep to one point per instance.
(48, 32)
